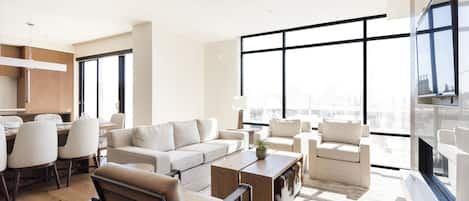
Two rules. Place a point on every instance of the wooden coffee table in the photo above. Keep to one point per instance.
(225, 173)
(244, 167)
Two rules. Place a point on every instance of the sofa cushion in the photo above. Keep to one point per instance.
(339, 151)
(280, 143)
(231, 146)
(341, 131)
(284, 127)
(158, 137)
(183, 160)
(185, 133)
(208, 129)
(210, 151)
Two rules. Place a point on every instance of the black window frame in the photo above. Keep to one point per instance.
(81, 79)
(284, 48)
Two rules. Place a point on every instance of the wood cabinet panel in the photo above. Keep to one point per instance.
(14, 52)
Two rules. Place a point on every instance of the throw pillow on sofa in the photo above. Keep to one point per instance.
(208, 129)
(284, 127)
(159, 137)
(185, 133)
(349, 132)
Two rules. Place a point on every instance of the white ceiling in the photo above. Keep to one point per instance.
(69, 22)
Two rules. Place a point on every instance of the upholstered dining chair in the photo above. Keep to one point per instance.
(54, 118)
(35, 147)
(82, 143)
(11, 121)
(3, 162)
(119, 120)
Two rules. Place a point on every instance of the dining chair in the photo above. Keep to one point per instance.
(35, 147)
(11, 121)
(3, 162)
(82, 143)
(54, 118)
(119, 120)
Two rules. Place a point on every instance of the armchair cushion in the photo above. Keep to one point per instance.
(158, 137)
(210, 151)
(339, 151)
(183, 160)
(284, 127)
(348, 132)
(186, 133)
(208, 129)
(280, 143)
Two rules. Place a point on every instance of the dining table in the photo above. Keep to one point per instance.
(62, 132)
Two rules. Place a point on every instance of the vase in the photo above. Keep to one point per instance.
(261, 154)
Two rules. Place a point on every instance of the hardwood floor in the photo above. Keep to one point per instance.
(81, 189)
(385, 186)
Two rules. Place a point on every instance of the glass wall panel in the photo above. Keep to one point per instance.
(325, 34)
(90, 95)
(262, 80)
(390, 151)
(108, 87)
(442, 16)
(262, 42)
(388, 85)
(385, 26)
(325, 82)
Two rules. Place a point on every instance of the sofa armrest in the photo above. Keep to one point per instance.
(235, 135)
(313, 143)
(446, 136)
(301, 141)
(124, 155)
(365, 148)
(365, 166)
(261, 135)
(120, 138)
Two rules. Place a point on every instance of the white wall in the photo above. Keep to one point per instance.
(178, 77)
(8, 89)
(104, 45)
(222, 81)
(143, 67)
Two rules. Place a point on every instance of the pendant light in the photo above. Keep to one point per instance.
(29, 63)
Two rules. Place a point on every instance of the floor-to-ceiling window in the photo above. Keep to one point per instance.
(106, 85)
(353, 69)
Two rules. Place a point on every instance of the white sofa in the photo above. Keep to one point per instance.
(341, 152)
(188, 146)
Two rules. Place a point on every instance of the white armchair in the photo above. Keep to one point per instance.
(341, 152)
(285, 135)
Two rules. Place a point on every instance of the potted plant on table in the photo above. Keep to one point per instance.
(261, 149)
